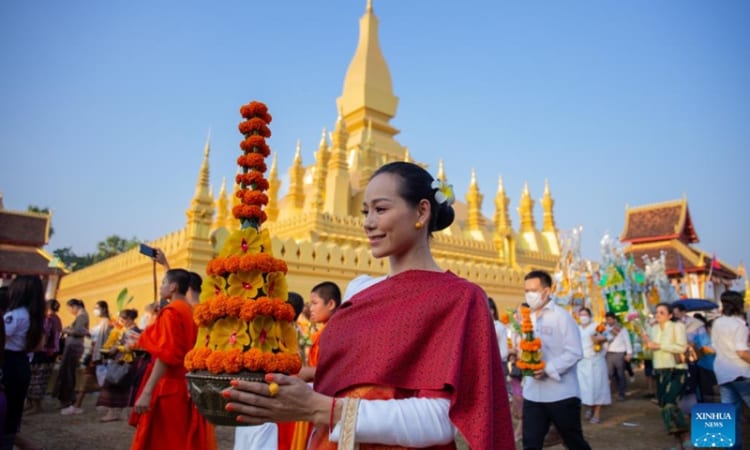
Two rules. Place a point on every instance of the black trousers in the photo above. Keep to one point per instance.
(565, 414)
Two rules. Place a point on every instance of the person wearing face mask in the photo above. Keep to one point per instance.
(93, 358)
(552, 394)
(592, 369)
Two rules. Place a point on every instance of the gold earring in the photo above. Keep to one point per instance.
(418, 225)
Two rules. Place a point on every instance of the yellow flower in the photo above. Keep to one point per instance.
(276, 286)
(245, 284)
(287, 334)
(241, 242)
(264, 333)
(229, 333)
(204, 338)
(212, 285)
(265, 241)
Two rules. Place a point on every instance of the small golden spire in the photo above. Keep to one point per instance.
(407, 155)
(296, 194)
(526, 210)
(222, 206)
(201, 211)
(548, 204)
(502, 215)
(369, 6)
(441, 171)
(272, 208)
(474, 200)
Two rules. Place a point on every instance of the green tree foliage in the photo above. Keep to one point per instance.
(110, 246)
(45, 210)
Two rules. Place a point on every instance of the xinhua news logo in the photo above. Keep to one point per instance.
(713, 425)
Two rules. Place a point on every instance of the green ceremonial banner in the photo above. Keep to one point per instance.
(617, 302)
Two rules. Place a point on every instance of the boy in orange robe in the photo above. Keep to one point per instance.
(165, 417)
(324, 299)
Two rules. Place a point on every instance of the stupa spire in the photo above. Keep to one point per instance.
(223, 214)
(321, 172)
(337, 180)
(503, 225)
(441, 172)
(548, 204)
(526, 210)
(201, 211)
(296, 194)
(272, 208)
(474, 204)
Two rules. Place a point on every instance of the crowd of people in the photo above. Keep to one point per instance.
(417, 358)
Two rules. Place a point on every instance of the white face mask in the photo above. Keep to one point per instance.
(585, 320)
(534, 299)
(96, 312)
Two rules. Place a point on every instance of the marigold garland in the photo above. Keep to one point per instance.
(255, 109)
(222, 306)
(255, 143)
(253, 161)
(252, 197)
(249, 212)
(263, 262)
(255, 126)
(252, 179)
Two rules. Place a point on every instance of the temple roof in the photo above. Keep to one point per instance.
(676, 252)
(22, 260)
(659, 222)
(23, 228)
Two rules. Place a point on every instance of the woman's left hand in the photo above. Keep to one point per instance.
(295, 401)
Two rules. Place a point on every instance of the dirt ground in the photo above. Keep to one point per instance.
(634, 423)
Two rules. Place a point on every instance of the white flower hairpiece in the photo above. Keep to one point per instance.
(443, 192)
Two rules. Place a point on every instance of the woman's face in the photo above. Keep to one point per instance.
(662, 314)
(74, 310)
(320, 311)
(125, 322)
(390, 222)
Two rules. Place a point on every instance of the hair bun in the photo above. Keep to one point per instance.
(444, 217)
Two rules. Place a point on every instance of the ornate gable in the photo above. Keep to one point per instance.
(659, 222)
(20, 228)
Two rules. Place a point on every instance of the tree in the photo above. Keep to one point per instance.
(73, 261)
(114, 245)
(45, 210)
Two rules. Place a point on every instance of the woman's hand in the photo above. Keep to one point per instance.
(295, 401)
(142, 404)
(653, 345)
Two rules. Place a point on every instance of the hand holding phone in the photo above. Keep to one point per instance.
(148, 251)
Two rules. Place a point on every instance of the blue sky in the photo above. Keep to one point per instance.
(105, 106)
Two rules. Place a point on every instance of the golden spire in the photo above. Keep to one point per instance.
(321, 172)
(296, 194)
(367, 159)
(272, 208)
(337, 179)
(474, 204)
(548, 204)
(526, 210)
(368, 88)
(223, 215)
(503, 226)
(201, 211)
(441, 172)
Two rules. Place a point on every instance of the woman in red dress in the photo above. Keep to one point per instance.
(421, 339)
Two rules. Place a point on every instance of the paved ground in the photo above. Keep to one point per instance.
(630, 424)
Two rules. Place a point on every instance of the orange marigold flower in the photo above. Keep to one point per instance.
(234, 306)
(249, 212)
(202, 314)
(253, 197)
(255, 143)
(189, 360)
(254, 161)
(256, 126)
(255, 109)
(504, 318)
(270, 363)
(200, 356)
(248, 310)
(217, 306)
(215, 362)
(253, 359)
(233, 361)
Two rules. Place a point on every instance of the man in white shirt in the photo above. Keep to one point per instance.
(619, 350)
(552, 395)
(729, 336)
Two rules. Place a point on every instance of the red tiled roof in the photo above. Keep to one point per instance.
(23, 228)
(20, 260)
(663, 221)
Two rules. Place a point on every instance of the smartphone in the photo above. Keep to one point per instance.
(148, 251)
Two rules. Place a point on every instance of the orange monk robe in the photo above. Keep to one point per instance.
(172, 421)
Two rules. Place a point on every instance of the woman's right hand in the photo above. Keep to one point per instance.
(294, 402)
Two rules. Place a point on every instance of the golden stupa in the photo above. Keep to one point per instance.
(316, 225)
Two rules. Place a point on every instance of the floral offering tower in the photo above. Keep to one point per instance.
(245, 325)
(531, 353)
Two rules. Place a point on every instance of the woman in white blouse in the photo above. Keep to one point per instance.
(592, 369)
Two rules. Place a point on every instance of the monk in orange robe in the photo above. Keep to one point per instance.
(164, 415)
